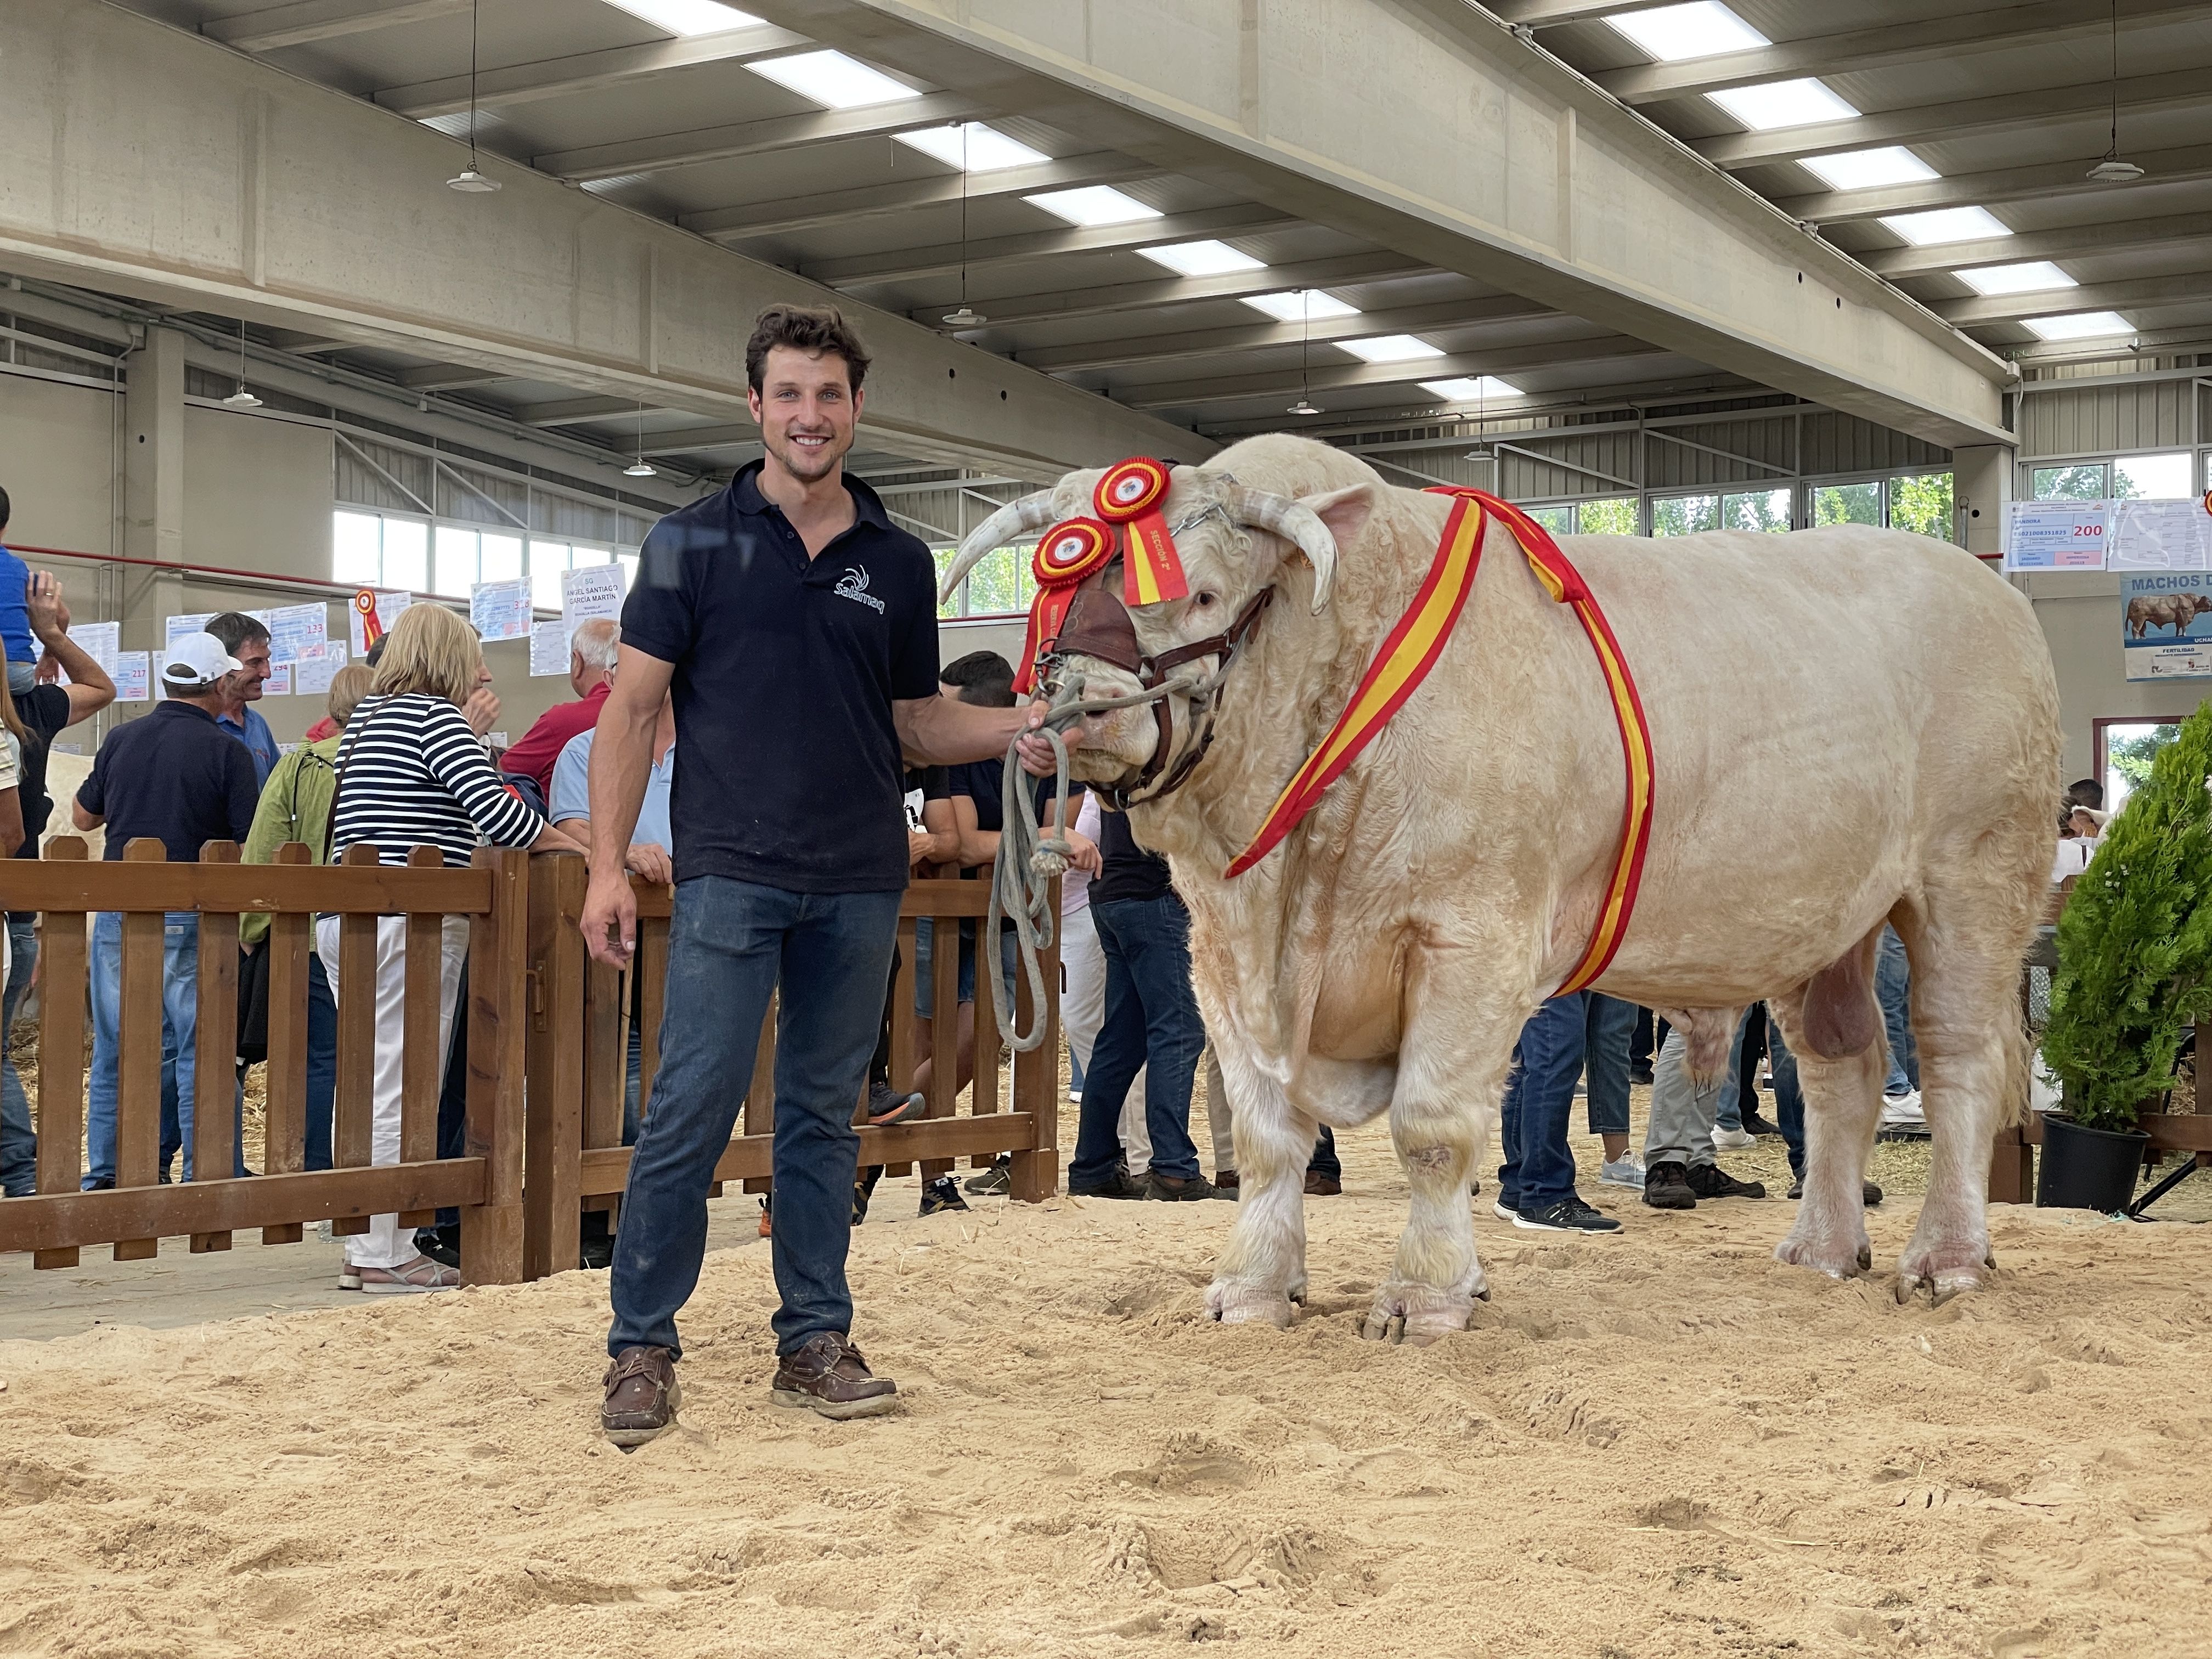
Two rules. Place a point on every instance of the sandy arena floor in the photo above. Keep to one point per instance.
(1660, 1444)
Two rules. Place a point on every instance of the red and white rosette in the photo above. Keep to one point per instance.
(1067, 553)
(1131, 494)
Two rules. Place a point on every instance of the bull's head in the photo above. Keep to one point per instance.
(1235, 542)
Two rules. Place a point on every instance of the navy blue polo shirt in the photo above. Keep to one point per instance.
(785, 670)
(174, 774)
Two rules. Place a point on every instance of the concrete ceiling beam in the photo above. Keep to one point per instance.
(2176, 288)
(1291, 382)
(1060, 305)
(2185, 165)
(308, 22)
(2101, 236)
(1263, 337)
(631, 157)
(944, 258)
(781, 218)
(584, 71)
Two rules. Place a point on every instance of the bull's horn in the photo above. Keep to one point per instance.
(1032, 512)
(1297, 525)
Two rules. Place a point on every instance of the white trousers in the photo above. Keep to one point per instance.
(1083, 1011)
(383, 1245)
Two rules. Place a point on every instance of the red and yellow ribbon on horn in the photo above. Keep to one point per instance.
(1130, 494)
(1411, 649)
(1070, 551)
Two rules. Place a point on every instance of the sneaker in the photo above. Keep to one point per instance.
(1173, 1191)
(1733, 1141)
(1641, 1074)
(864, 1189)
(941, 1195)
(1117, 1185)
(1569, 1215)
(887, 1105)
(1754, 1124)
(999, 1178)
(827, 1374)
(1667, 1187)
(641, 1396)
(1903, 1109)
(1498, 1208)
(1622, 1172)
(1711, 1180)
(766, 1217)
(1869, 1194)
(1225, 1181)
(1321, 1186)
(439, 1244)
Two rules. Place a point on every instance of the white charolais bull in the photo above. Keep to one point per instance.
(1851, 726)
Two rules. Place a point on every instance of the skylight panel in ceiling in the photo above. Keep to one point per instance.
(1783, 104)
(1093, 205)
(688, 17)
(1700, 29)
(1870, 169)
(2087, 326)
(973, 148)
(832, 79)
(1390, 348)
(1940, 225)
(1471, 388)
(1300, 305)
(2031, 278)
(1201, 259)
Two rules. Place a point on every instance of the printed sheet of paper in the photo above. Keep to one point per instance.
(99, 641)
(316, 666)
(549, 648)
(161, 660)
(501, 611)
(180, 626)
(2159, 536)
(279, 683)
(292, 626)
(594, 590)
(2055, 535)
(2165, 625)
(133, 675)
(388, 609)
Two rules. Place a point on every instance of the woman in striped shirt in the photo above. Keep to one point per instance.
(411, 772)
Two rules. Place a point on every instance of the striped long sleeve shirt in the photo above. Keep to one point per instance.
(411, 772)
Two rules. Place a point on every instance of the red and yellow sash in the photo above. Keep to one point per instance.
(1411, 649)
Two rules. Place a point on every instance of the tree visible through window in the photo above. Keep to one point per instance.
(1849, 503)
(2081, 482)
(1613, 516)
(1922, 504)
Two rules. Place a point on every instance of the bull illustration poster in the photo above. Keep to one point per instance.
(2166, 624)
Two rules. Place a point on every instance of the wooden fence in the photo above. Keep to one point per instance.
(136, 1213)
(578, 1047)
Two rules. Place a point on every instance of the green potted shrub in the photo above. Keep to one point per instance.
(2135, 973)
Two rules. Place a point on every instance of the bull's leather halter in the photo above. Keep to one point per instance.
(1099, 625)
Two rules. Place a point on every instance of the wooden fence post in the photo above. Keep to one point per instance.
(491, 1232)
(214, 1128)
(553, 1122)
(62, 974)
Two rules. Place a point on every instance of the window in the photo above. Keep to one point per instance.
(1763, 510)
(499, 556)
(1560, 520)
(2081, 482)
(2152, 478)
(1002, 584)
(455, 571)
(1849, 503)
(1614, 516)
(2128, 748)
(547, 561)
(357, 548)
(1922, 504)
(1685, 515)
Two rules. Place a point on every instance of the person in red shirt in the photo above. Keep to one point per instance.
(592, 654)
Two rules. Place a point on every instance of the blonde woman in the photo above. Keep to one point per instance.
(411, 772)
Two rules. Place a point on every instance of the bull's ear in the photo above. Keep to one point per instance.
(1343, 511)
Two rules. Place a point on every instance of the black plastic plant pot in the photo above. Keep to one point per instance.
(2085, 1168)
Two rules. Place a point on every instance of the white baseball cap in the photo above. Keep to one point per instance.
(196, 662)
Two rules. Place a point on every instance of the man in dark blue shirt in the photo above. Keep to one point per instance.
(176, 776)
(796, 629)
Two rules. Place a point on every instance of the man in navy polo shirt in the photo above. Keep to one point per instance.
(174, 774)
(798, 630)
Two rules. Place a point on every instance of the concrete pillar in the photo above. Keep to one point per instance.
(1981, 485)
(153, 486)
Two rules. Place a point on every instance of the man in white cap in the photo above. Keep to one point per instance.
(179, 777)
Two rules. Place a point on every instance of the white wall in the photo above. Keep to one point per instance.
(57, 462)
(2080, 618)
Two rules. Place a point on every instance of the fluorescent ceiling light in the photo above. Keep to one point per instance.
(973, 148)
(1940, 225)
(1300, 305)
(2030, 278)
(1783, 103)
(2086, 326)
(689, 16)
(1094, 205)
(1700, 29)
(832, 79)
(1870, 169)
(1201, 259)
(1470, 388)
(1390, 348)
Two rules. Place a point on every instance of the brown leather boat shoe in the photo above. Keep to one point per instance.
(642, 1395)
(827, 1374)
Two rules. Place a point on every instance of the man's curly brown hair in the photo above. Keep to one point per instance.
(809, 328)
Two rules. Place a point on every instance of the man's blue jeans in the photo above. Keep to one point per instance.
(1789, 1098)
(1152, 1021)
(1539, 1170)
(729, 946)
(1893, 988)
(180, 963)
(19, 1146)
(1607, 1025)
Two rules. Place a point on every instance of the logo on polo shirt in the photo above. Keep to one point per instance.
(853, 584)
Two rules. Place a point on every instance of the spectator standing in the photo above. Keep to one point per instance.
(246, 640)
(1083, 995)
(798, 630)
(593, 650)
(1789, 1114)
(1678, 1148)
(295, 806)
(40, 714)
(1536, 1181)
(411, 771)
(175, 776)
(1892, 988)
(17, 637)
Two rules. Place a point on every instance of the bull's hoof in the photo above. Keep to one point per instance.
(1232, 1304)
(1944, 1271)
(1839, 1258)
(1418, 1314)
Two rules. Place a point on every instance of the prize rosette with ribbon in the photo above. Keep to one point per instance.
(1067, 553)
(1130, 494)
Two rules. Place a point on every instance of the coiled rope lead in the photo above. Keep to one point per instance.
(1029, 862)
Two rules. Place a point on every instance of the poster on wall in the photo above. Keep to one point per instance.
(2055, 535)
(178, 626)
(594, 590)
(316, 666)
(2165, 625)
(549, 648)
(2159, 536)
(132, 674)
(386, 607)
(279, 683)
(501, 611)
(293, 626)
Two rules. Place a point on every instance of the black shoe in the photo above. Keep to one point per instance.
(1117, 1185)
(940, 1195)
(1189, 1191)
(1869, 1194)
(887, 1105)
(1711, 1180)
(1569, 1215)
(1640, 1074)
(1667, 1187)
(864, 1189)
(999, 1178)
(1754, 1124)
(434, 1242)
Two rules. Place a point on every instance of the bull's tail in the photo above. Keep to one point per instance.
(2016, 1092)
